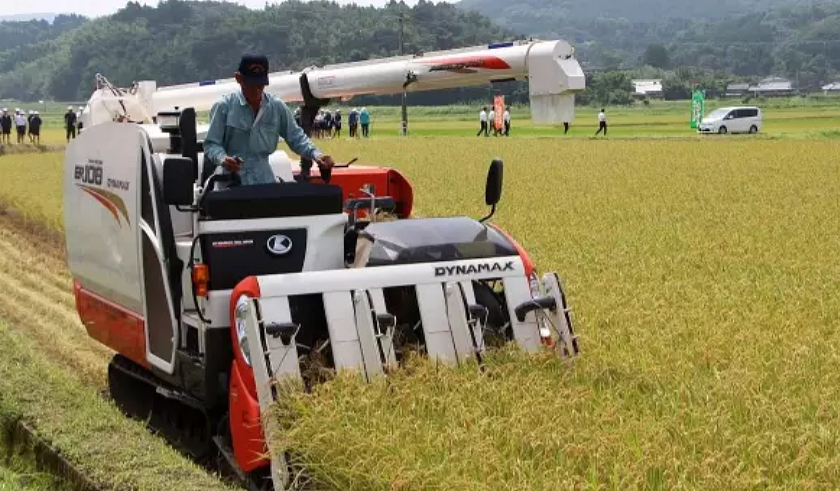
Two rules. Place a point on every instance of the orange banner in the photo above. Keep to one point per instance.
(499, 108)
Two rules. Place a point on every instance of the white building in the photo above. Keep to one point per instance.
(772, 86)
(737, 89)
(647, 87)
(833, 87)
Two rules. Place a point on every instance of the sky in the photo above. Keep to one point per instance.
(95, 8)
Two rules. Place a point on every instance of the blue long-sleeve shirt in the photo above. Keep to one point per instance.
(235, 131)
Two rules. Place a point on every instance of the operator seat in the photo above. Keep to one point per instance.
(274, 200)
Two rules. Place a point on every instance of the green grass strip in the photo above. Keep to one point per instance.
(113, 451)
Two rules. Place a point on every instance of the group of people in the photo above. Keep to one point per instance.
(328, 124)
(487, 120)
(21, 121)
(29, 123)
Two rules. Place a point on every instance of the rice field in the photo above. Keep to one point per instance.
(704, 281)
(811, 117)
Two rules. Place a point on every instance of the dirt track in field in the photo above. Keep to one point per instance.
(37, 300)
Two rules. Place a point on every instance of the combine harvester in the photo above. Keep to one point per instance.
(208, 295)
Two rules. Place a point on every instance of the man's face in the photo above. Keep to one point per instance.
(253, 93)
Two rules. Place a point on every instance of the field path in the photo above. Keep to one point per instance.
(37, 301)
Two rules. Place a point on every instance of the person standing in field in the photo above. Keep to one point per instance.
(364, 119)
(35, 128)
(20, 123)
(337, 123)
(602, 122)
(506, 120)
(353, 122)
(492, 121)
(6, 127)
(328, 123)
(565, 127)
(70, 123)
(482, 120)
(318, 125)
(29, 125)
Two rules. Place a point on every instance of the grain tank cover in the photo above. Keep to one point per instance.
(425, 240)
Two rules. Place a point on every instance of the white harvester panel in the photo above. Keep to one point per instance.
(101, 210)
(114, 244)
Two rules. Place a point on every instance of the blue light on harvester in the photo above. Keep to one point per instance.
(206, 82)
(499, 45)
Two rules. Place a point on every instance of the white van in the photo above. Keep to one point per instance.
(741, 119)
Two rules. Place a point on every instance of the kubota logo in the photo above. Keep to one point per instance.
(473, 269)
(279, 245)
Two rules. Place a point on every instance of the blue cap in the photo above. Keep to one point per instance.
(254, 68)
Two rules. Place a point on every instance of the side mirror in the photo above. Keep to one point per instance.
(189, 137)
(178, 180)
(493, 189)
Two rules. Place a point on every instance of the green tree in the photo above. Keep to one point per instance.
(656, 55)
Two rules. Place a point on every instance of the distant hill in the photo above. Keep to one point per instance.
(21, 35)
(535, 16)
(795, 38)
(26, 17)
(182, 41)
(185, 41)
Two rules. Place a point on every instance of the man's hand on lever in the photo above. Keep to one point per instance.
(325, 162)
(232, 163)
(325, 167)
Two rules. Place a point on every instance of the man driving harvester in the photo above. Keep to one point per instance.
(245, 127)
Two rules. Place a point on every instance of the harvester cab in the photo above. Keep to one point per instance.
(209, 293)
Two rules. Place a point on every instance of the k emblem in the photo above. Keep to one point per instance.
(279, 245)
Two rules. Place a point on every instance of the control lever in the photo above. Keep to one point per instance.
(348, 164)
(326, 174)
(218, 176)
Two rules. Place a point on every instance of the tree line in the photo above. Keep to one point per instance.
(183, 41)
(180, 41)
(739, 39)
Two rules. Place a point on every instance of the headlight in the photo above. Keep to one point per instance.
(536, 291)
(240, 317)
(534, 283)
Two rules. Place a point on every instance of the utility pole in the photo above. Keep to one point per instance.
(404, 131)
